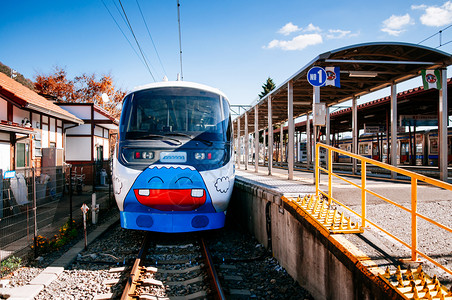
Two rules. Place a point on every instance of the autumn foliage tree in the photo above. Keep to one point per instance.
(82, 89)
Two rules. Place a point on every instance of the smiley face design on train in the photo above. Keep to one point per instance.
(166, 188)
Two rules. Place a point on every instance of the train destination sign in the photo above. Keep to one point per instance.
(419, 120)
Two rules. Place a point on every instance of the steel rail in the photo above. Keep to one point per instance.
(134, 273)
(211, 270)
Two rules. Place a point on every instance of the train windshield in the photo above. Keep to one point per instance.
(176, 112)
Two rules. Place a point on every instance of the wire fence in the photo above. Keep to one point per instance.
(38, 201)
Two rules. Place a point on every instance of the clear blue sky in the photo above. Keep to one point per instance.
(232, 45)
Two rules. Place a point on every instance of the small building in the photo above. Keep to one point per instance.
(29, 125)
(89, 144)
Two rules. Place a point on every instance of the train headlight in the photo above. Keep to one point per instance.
(144, 155)
(197, 193)
(209, 157)
(200, 155)
(137, 155)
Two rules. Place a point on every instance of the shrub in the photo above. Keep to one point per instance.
(65, 234)
(10, 265)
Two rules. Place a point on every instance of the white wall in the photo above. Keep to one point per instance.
(59, 137)
(4, 136)
(19, 115)
(78, 148)
(82, 129)
(106, 149)
(52, 128)
(45, 136)
(98, 131)
(5, 157)
(3, 110)
(81, 112)
(36, 119)
(98, 116)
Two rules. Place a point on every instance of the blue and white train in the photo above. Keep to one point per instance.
(173, 168)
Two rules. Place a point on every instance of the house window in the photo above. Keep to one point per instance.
(22, 155)
(37, 144)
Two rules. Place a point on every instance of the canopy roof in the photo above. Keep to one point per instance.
(378, 65)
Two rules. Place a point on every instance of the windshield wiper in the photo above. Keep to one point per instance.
(196, 138)
(155, 136)
(180, 134)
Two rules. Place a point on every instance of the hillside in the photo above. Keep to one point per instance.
(18, 77)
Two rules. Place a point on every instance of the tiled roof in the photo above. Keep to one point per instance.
(26, 98)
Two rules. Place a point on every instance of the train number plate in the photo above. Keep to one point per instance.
(173, 157)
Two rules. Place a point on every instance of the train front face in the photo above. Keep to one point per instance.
(173, 170)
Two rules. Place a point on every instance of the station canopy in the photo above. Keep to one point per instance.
(364, 68)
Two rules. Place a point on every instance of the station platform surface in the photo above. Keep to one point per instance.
(384, 251)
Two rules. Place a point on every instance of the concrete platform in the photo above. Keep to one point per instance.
(352, 260)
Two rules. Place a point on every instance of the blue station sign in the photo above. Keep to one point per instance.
(316, 76)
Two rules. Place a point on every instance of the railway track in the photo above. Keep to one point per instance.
(245, 269)
(173, 270)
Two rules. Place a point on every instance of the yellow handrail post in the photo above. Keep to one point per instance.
(330, 170)
(363, 193)
(414, 219)
(317, 164)
(415, 178)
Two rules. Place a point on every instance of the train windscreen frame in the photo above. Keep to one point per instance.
(178, 111)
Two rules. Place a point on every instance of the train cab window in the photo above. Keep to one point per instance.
(227, 119)
(178, 111)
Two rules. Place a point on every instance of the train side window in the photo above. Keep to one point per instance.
(433, 145)
(449, 146)
(405, 148)
(363, 149)
(419, 148)
(374, 149)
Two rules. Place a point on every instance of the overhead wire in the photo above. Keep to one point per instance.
(136, 40)
(444, 44)
(120, 12)
(440, 37)
(127, 25)
(120, 29)
(150, 36)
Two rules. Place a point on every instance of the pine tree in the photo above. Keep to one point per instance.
(267, 87)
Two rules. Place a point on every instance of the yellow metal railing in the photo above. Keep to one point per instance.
(414, 186)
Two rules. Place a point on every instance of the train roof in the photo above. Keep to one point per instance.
(179, 84)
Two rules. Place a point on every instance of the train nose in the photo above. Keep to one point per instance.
(171, 199)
